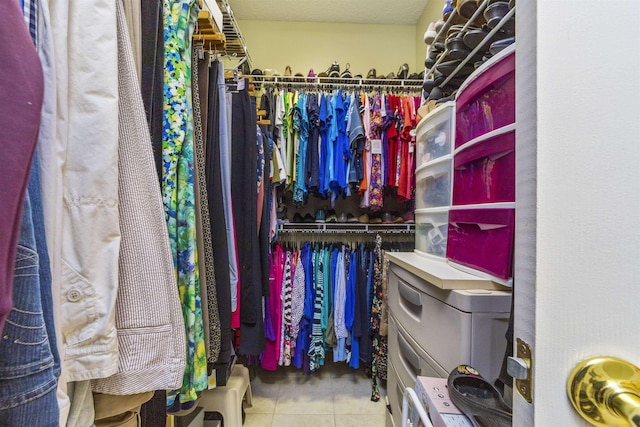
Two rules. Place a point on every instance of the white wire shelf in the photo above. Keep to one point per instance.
(346, 228)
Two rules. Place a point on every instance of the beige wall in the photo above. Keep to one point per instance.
(304, 45)
(432, 12)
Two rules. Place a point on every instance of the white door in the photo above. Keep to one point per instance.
(577, 267)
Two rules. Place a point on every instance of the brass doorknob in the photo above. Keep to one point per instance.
(606, 391)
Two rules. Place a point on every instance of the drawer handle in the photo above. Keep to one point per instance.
(408, 353)
(410, 294)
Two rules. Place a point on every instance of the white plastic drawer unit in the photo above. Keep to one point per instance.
(389, 419)
(451, 326)
(395, 390)
(410, 360)
(432, 226)
(433, 183)
(435, 133)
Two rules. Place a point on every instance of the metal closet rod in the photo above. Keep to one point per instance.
(338, 81)
(364, 230)
(334, 237)
(343, 232)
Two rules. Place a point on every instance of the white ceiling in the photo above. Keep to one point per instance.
(400, 12)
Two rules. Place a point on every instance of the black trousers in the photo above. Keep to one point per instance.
(244, 176)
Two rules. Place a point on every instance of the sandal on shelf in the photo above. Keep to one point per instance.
(403, 71)
(346, 74)
(477, 398)
(371, 74)
(334, 70)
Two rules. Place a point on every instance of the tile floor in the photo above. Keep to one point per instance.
(336, 396)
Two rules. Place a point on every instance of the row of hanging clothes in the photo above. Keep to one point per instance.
(204, 185)
(221, 230)
(343, 141)
(132, 249)
(326, 304)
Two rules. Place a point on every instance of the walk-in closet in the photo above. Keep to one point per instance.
(226, 213)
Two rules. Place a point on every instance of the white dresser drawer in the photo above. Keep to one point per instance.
(388, 422)
(395, 389)
(410, 360)
(447, 327)
(437, 327)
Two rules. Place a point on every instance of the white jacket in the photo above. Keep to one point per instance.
(82, 178)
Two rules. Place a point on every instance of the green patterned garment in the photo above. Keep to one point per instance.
(178, 187)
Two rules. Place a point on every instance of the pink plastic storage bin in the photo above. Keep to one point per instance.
(488, 102)
(486, 172)
(482, 239)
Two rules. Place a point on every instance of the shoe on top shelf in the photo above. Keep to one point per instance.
(308, 219)
(281, 212)
(409, 218)
(331, 216)
(387, 218)
(342, 217)
(297, 218)
(375, 220)
(334, 70)
(351, 218)
(346, 74)
(403, 72)
(364, 218)
(321, 215)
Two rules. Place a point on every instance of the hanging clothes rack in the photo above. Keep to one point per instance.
(394, 236)
(339, 228)
(330, 83)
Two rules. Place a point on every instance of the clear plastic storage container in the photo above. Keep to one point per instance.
(433, 184)
(435, 133)
(431, 231)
